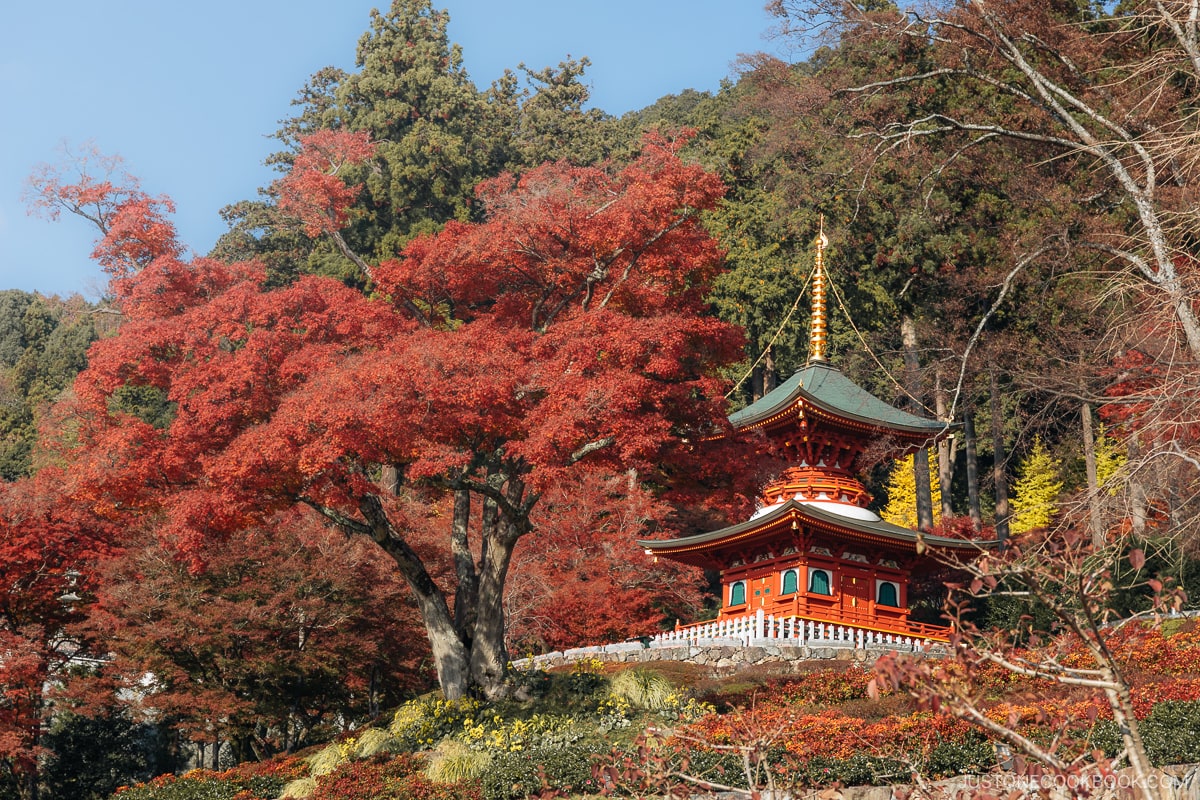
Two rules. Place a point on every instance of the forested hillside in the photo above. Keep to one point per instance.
(409, 416)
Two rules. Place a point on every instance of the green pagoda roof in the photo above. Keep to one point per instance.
(826, 388)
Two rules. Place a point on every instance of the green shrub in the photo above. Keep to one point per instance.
(712, 765)
(587, 677)
(530, 683)
(971, 754)
(1172, 732)
(520, 774)
(1105, 736)
(92, 756)
(576, 691)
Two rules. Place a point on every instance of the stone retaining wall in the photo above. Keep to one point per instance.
(721, 656)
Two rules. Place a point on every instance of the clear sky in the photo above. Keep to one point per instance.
(187, 93)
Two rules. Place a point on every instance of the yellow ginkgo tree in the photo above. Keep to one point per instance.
(901, 489)
(1036, 491)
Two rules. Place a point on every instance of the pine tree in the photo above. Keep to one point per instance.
(901, 489)
(1035, 493)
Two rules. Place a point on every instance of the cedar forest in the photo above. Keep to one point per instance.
(407, 418)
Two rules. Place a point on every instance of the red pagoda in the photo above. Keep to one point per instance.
(814, 556)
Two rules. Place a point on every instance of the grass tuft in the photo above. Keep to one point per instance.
(299, 788)
(452, 762)
(642, 688)
(372, 741)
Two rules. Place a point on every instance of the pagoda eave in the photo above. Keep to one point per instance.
(698, 550)
(824, 393)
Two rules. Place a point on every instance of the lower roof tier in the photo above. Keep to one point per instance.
(833, 519)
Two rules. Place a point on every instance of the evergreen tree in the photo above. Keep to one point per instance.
(43, 345)
(1035, 493)
(551, 123)
(435, 137)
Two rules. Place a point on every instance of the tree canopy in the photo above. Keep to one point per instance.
(564, 335)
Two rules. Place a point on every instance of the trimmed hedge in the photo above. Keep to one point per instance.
(523, 773)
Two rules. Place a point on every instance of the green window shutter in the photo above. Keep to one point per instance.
(737, 594)
(888, 595)
(789, 582)
(818, 581)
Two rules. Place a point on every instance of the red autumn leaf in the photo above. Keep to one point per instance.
(1137, 558)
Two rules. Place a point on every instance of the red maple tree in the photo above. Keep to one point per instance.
(283, 632)
(564, 339)
(47, 549)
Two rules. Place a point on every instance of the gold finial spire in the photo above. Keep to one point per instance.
(816, 339)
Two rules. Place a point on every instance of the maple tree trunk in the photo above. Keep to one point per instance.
(449, 652)
(466, 597)
(389, 479)
(489, 655)
(450, 655)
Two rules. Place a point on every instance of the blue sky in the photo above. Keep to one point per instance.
(187, 93)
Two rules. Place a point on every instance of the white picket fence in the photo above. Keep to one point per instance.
(788, 630)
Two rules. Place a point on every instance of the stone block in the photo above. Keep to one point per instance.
(575, 652)
(752, 654)
(765, 643)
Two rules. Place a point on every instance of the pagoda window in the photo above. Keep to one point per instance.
(790, 582)
(889, 594)
(737, 593)
(820, 582)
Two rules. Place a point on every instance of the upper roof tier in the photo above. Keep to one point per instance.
(822, 388)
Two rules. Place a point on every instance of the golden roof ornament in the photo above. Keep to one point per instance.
(816, 339)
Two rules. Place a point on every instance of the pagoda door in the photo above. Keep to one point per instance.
(761, 591)
(856, 595)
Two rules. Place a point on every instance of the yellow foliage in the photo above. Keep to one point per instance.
(1036, 490)
(901, 508)
(1109, 458)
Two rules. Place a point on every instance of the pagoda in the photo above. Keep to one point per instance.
(814, 552)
